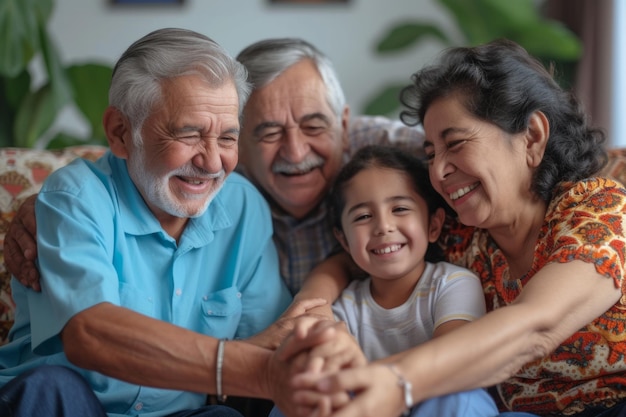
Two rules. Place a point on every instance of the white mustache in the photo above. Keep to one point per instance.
(198, 173)
(310, 162)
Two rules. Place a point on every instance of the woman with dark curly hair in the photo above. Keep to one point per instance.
(512, 154)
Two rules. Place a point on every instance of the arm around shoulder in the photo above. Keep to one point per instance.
(20, 245)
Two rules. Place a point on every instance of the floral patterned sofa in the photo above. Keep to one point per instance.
(22, 172)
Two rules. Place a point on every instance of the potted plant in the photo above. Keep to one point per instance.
(481, 21)
(29, 112)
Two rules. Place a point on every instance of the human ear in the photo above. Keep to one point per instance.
(341, 238)
(537, 135)
(118, 131)
(345, 124)
(435, 224)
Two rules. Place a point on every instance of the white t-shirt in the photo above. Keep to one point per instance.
(444, 292)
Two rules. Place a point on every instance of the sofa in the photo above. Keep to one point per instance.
(22, 172)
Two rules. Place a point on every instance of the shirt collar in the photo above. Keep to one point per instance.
(137, 219)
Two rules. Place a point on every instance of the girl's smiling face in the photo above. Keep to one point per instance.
(386, 225)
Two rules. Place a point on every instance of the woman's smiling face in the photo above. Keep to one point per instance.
(480, 170)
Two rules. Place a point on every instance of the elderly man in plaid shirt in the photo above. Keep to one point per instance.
(297, 134)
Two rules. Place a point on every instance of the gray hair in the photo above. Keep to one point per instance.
(267, 59)
(164, 54)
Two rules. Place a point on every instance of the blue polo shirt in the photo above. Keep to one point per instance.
(99, 242)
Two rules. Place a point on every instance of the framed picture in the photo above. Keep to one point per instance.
(308, 1)
(148, 2)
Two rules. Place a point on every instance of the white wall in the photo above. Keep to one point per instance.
(96, 29)
(347, 33)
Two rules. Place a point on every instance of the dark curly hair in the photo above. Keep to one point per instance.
(382, 156)
(500, 83)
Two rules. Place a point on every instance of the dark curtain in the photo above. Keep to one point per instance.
(592, 21)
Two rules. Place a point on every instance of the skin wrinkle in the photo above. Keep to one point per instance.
(294, 107)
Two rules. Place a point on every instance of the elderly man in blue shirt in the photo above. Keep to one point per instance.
(149, 250)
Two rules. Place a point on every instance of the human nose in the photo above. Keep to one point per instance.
(295, 146)
(440, 167)
(385, 224)
(209, 157)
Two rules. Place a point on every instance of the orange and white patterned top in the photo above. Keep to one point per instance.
(585, 221)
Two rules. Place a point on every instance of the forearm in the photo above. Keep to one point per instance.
(557, 302)
(479, 354)
(326, 281)
(129, 346)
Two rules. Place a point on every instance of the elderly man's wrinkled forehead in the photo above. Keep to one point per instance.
(267, 59)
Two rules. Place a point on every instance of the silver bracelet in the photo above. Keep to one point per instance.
(407, 389)
(218, 370)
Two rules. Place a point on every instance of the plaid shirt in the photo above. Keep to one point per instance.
(304, 243)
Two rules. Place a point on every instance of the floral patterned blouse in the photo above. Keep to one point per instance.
(585, 221)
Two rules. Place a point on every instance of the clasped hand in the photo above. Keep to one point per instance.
(313, 351)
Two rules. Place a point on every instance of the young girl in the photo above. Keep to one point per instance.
(388, 217)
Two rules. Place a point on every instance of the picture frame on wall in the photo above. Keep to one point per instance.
(309, 1)
(147, 2)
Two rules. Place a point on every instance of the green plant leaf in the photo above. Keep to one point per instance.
(403, 35)
(482, 21)
(27, 115)
(19, 32)
(34, 117)
(386, 101)
(90, 83)
(38, 110)
(6, 130)
(549, 40)
(61, 89)
(12, 90)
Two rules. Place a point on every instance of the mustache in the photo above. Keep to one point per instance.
(310, 162)
(199, 173)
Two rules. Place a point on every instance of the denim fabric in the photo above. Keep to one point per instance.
(474, 403)
(51, 391)
(209, 411)
(56, 391)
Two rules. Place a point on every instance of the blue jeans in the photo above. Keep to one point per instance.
(209, 411)
(53, 391)
(474, 403)
(56, 391)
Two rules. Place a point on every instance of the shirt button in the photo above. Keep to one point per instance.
(178, 291)
(138, 406)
